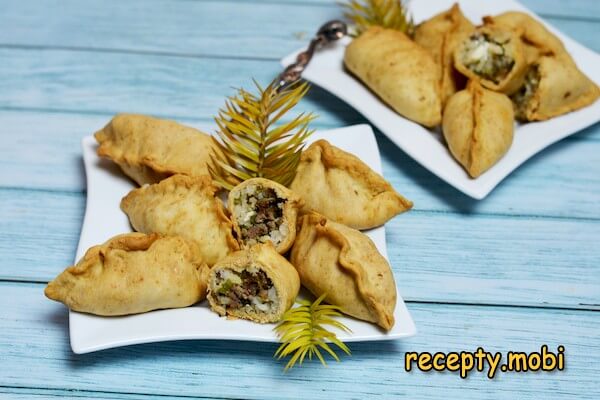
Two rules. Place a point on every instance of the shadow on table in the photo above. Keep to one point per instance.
(419, 175)
(389, 151)
(227, 353)
(325, 101)
(442, 191)
(182, 352)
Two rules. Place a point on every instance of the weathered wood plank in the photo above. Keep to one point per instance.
(202, 28)
(35, 143)
(62, 81)
(36, 353)
(187, 27)
(92, 82)
(583, 9)
(17, 393)
(39, 232)
(525, 261)
(437, 257)
(551, 260)
(552, 183)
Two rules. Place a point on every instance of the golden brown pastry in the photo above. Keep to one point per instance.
(478, 127)
(344, 263)
(536, 38)
(150, 149)
(257, 284)
(132, 273)
(440, 35)
(399, 71)
(493, 56)
(553, 86)
(184, 206)
(264, 211)
(344, 189)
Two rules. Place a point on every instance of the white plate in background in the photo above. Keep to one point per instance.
(106, 185)
(426, 147)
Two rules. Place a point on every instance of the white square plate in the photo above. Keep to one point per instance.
(106, 185)
(426, 147)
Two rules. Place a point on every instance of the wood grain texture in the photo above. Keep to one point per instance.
(39, 232)
(531, 190)
(67, 66)
(435, 256)
(185, 27)
(198, 27)
(17, 393)
(39, 355)
(107, 83)
(582, 9)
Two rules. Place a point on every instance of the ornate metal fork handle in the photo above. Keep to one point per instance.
(329, 32)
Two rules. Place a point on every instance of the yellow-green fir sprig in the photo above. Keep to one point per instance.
(303, 334)
(253, 142)
(391, 14)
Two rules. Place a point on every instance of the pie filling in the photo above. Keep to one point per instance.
(259, 214)
(487, 57)
(250, 290)
(525, 93)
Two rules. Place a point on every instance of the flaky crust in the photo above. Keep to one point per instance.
(440, 35)
(478, 127)
(185, 206)
(340, 186)
(290, 210)
(399, 71)
(283, 275)
(344, 263)
(562, 88)
(150, 149)
(129, 274)
(514, 79)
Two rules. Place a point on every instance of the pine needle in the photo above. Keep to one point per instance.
(252, 141)
(303, 334)
(391, 14)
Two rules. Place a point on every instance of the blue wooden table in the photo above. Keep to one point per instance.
(516, 271)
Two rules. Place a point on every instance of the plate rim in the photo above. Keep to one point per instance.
(80, 347)
(478, 188)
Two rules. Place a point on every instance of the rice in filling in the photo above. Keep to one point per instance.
(251, 290)
(524, 94)
(487, 57)
(259, 214)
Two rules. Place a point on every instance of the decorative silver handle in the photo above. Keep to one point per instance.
(329, 32)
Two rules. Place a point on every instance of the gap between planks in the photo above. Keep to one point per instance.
(204, 120)
(415, 211)
(83, 49)
(30, 391)
(544, 306)
(336, 4)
